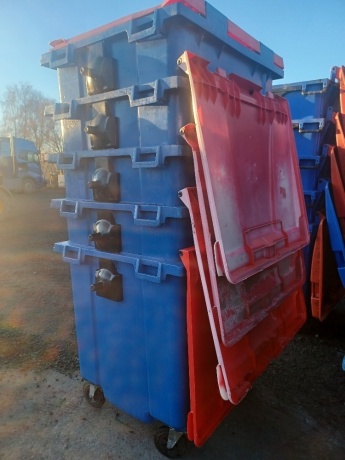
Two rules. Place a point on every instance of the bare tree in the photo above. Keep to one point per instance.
(23, 116)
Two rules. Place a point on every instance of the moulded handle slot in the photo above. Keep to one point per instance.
(309, 163)
(146, 94)
(142, 27)
(149, 271)
(66, 111)
(265, 241)
(69, 208)
(314, 87)
(66, 161)
(61, 108)
(146, 158)
(147, 215)
(59, 56)
(71, 254)
(142, 92)
(309, 125)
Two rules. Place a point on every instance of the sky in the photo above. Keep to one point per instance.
(308, 34)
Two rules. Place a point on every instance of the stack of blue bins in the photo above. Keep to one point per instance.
(312, 106)
(123, 102)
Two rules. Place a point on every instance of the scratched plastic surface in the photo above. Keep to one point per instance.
(310, 98)
(326, 287)
(242, 361)
(130, 347)
(126, 72)
(251, 171)
(239, 307)
(207, 408)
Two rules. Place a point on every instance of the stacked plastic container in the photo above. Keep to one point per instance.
(126, 91)
(316, 119)
(312, 104)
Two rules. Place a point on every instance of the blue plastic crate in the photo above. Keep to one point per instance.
(146, 45)
(151, 164)
(314, 203)
(310, 98)
(314, 168)
(123, 84)
(311, 135)
(149, 230)
(336, 237)
(149, 175)
(135, 349)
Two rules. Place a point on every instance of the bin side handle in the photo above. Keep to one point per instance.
(147, 270)
(71, 254)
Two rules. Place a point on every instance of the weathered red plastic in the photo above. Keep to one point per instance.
(340, 122)
(337, 186)
(199, 6)
(207, 408)
(326, 287)
(243, 37)
(239, 364)
(251, 171)
(242, 306)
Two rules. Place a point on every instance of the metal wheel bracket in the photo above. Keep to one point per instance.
(92, 390)
(173, 438)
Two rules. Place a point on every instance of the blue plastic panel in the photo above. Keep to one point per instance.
(134, 349)
(150, 230)
(312, 168)
(151, 164)
(148, 175)
(148, 41)
(311, 141)
(314, 202)
(336, 237)
(141, 90)
(310, 98)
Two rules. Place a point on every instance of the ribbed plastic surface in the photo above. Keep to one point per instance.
(262, 332)
(123, 102)
(311, 98)
(255, 195)
(207, 408)
(136, 348)
(149, 230)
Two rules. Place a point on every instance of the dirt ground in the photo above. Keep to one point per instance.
(296, 409)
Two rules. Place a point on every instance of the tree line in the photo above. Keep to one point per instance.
(23, 110)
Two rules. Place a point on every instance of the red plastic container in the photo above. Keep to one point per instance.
(326, 287)
(251, 171)
(240, 363)
(207, 408)
(255, 309)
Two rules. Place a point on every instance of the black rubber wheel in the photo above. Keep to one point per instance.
(28, 186)
(98, 398)
(161, 442)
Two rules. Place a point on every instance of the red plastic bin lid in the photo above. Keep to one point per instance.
(251, 171)
(207, 408)
(242, 361)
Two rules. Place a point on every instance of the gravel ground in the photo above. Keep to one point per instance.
(296, 409)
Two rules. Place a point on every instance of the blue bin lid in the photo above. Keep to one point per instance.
(152, 21)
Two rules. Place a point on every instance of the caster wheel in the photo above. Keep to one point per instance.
(97, 398)
(161, 442)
